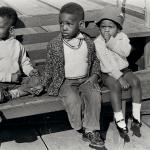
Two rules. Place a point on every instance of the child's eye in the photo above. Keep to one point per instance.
(103, 27)
(69, 24)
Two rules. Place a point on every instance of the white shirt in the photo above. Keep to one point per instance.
(12, 57)
(113, 54)
(76, 61)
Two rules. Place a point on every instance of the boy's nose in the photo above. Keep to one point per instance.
(64, 27)
(107, 29)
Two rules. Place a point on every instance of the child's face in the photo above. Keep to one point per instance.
(69, 25)
(108, 28)
(4, 28)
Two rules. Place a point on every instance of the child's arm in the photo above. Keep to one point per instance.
(105, 59)
(120, 44)
(48, 71)
(25, 61)
(96, 64)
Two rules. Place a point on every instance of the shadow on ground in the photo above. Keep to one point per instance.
(27, 129)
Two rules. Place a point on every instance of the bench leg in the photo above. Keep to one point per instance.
(147, 55)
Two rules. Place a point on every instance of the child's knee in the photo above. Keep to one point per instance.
(114, 86)
(136, 82)
(72, 103)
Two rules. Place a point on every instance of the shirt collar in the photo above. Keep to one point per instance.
(80, 36)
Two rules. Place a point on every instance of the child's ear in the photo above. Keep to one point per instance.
(12, 31)
(82, 24)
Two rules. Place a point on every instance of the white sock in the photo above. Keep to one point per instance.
(14, 93)
(119, 116)
(136, 109)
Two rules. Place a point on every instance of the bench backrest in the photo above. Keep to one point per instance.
(36, 31)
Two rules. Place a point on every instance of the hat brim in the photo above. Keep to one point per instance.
(99, 22)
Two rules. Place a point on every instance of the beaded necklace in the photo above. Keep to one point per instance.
(72, 46)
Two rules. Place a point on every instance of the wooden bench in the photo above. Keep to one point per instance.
(34, 33)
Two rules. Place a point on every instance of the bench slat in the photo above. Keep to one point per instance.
(27, 106)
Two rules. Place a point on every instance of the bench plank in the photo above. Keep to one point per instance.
(32, 8)
(29, 105)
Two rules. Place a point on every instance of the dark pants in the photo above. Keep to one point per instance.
(24, 86)
(76, 95)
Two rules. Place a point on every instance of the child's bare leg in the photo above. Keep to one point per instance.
(115, 91)
(136, 104)
(136, 93)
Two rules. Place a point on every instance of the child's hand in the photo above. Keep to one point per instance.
(107, 36)
(124, 84)
(16, 77)
(36, 91)
(34, 72)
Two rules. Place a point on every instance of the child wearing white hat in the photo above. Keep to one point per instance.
(113, 47)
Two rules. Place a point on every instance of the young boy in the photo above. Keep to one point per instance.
(113, 47)
(13, 60)
(72, 71)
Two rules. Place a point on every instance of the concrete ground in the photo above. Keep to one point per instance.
(53, 132)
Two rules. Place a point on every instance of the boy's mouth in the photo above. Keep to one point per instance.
(64, 33)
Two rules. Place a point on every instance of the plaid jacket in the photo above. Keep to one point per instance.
(54, 73)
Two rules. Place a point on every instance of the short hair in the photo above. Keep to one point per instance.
(74, 9)
(10, 13)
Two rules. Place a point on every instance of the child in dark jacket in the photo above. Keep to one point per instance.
(72, 71)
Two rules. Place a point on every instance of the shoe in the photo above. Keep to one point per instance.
(5, 96)
(95, 140)
(135, 127)
(123, 132)
(81, 131)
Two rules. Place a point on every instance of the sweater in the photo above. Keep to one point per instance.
(54, 74)
(113, 54)
(12, 59)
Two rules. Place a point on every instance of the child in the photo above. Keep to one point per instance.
(13, 60)
(113, 47)
(72, 71)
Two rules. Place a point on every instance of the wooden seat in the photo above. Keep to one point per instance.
(29, 105)
(34, 33)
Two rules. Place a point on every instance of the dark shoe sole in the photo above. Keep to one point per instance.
(135, 132)
(85, 139)
(98, 147)
(125, 136)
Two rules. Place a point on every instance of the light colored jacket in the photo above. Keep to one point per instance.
(12, 59)
(113, 54)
